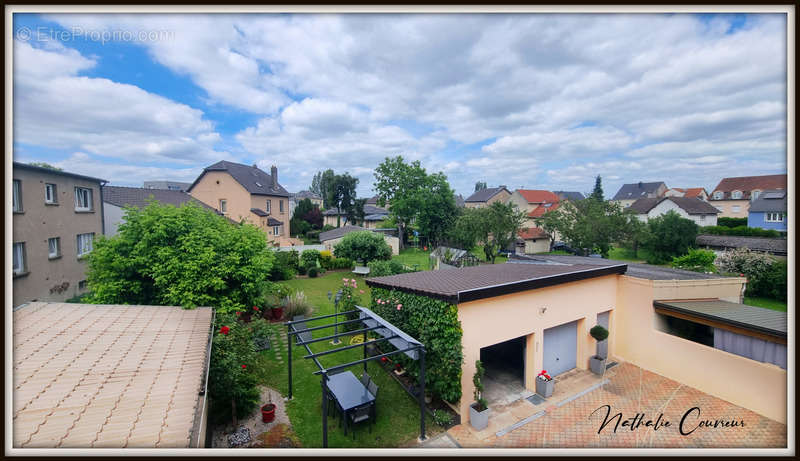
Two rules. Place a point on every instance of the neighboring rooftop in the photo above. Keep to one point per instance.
(339, 232)
(696, 192)
(40, 169)
(484, 195)
(770, 201)
(776, 246)
(486, 281)
(305, 194)
(746, 184)
(567, 195)
(691, 205)
(542, 209)
(168, 185)
(538, 196)
(368, 210)
(637, 190)
(254, 180)
(756, 319)
(138, 197)
(90, 375)
(639, 270)
(531, 233)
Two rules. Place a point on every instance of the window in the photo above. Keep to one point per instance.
(754, 194)
(17, 196)
(737, 194)
(269, 202)
(19, 258)
(702, 217)
(736, 208)
(83, 199)
(223, 205)
(280, 202)
(53, 247)
(774, 217)
(82, 285)
(718, 195)
(173, 187)
(276, 230)
(50, 196)
(85, 244)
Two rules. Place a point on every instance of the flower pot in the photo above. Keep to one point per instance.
(277, 313)
(545, 388)
(268, 413)
(597, 364)
(478, 419)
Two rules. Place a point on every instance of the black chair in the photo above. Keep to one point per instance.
(360, 414)
(365, 379)
(373, 389)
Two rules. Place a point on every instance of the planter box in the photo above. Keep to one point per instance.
(277, 313)
(545, 388)
(478, 419)
(597, 364)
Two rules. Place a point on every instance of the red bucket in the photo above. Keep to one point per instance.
(268, 413)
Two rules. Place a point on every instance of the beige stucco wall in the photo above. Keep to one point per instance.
(534, 246)
(39, 222)
(501, 196)
(522, 204)
(757, 386)
(726, 208)
(490, 321)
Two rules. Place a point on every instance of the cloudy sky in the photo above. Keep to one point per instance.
(536, 101)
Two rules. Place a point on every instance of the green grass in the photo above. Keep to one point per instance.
(414, 256)
(766, 303)
(625, 254)
(478, 252)
(397, 420)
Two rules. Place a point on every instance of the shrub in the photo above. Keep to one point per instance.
(285, 265)
(232, 380)
(669, 235)
(391, 267)
(731, 222)
(295, 305)
(363, 246)
(442, 418)
(187, 256)
(302, 270)
(772, 283)
(310, 258)
(741, 231)
(477, 381)
(599, 333)
(696, 261)
(298, 226)
(313, 235)
(325, 258)
(313, 272)
(341, 263)
(328, 227)
(765, 276)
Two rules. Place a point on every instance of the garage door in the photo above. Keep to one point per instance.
(560, 348)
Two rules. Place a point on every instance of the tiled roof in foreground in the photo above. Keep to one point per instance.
(88, 375)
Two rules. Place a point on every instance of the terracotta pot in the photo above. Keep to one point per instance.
(268, 413)
(277, 313)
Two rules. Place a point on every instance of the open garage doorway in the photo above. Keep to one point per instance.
(504, 381)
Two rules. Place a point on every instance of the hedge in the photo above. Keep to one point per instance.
(731, 222)
(391, 267)
(434, 323)
(741, 231)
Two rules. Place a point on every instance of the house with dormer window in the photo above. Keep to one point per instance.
(733, 196)
(243, 192)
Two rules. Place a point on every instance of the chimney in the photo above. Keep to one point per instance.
(255, 166)
(274, 172)
(640, 184)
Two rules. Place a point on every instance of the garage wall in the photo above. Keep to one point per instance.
(490, 321)
(757, 386)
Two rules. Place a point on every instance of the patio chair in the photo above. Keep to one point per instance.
(373, 389)
(365, 379)
(362, 413)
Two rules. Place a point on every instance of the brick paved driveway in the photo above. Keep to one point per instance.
(631, 390)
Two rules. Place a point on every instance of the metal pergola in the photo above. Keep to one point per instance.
(369, 321)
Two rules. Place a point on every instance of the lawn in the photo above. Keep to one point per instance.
(766, 303)
(478, 252)
(397, 422)
(414, 257)
(625, 254)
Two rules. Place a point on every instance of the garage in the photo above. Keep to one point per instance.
(504, 364)
(560, 348)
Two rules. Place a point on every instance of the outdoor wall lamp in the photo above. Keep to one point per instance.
(542, 310)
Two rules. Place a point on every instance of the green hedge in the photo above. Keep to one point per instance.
(434, 323)
(391, 267)
(770, 283)
(741, 231)
(731, 222)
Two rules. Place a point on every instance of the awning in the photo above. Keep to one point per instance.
(740, 318)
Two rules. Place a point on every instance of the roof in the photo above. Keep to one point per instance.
(532, 233)
(770, 245)
(305, 194)
(368, 210)
(273, 222)
(339, 232)
(372, 200)
(695, 192)
(490, 280)
(542, 209)
(40, 169)
(170, 185)
(90, 375)
(746, 184)
(259, 212)
(538, 196)
(642, 271)
(254, 180)
(567, 195)
(769, 200)
(139, 196)
(637, 190)
(484, 195)
(691, 205)
(756, 319)
(375, 217)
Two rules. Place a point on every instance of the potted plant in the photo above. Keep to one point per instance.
(597, 362)
(478, 411)
(268, 410)
(544, 384)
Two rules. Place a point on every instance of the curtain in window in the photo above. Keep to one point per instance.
(752, 348)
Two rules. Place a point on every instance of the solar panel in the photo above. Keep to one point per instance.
(774, 195)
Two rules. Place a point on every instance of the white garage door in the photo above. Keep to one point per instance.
(560, 348)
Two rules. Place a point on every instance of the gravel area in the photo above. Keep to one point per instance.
(253, 422)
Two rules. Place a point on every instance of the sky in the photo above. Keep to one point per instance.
(535, 101)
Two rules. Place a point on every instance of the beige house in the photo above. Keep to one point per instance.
(373, 216)
(695, 192)
(532, 240)
(732, 196)
(332, 237)
(699, 211)
(56, 217)
(536, 314)
(243, 192)
(486, 197)
(629, 193)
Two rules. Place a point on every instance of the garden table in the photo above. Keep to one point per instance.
(349, 393)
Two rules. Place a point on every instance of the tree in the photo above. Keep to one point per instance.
(670, 235)
(437, 209)
(465, 233)
(321, 185)
(587, 225)
(364, 246)
(635, 233)
(496, 226)
(307, 212)
(187, 256)
(480, 185)
(342, 196)
(46, 165)
(597, 193)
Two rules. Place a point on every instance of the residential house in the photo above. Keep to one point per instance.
(296, 198)
(535, 203)
(373, 216)
(567, 195)
(115, 198)
(697, 192)
(110, 376)
(526, 317)
(732, 196)
(243, 192)
(332, 237)
(532, 240)
(702, 213)
(168, 185)
(768, 211)
(721, 243)
(486, 197)
(629, 193)
(56, 217)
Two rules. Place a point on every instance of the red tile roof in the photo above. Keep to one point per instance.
(538, 196)
(532, 233)
(542, 209)
(694, 192)
(750, 183)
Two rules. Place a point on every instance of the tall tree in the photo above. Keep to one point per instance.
(437, 210)
(587, 225)
(342, 196)
(480, 185)
(669, 235)
(316, 186)
(597, 193)
(321, 185)
(399, 182)
(496, 226)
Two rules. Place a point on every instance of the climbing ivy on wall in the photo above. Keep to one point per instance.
(434, 323)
